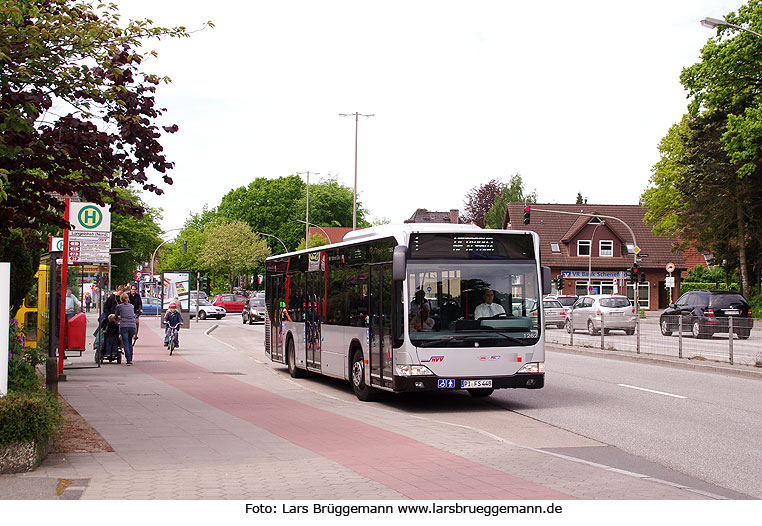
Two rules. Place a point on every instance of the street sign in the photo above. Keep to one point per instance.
(89, 247)
(636, 250)
(669, 282)
(670, 267)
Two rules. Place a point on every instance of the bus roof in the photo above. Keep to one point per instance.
(401, 232)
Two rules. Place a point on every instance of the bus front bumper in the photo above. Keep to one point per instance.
(433, 383)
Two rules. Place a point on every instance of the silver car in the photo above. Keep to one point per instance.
(555, 313)
(612, 311)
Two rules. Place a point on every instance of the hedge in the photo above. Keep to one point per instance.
(28, 417)
(685, 286)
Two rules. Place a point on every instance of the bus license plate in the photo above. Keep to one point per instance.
(469, 384)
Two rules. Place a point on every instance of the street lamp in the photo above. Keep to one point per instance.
(307, 218)
(712, 23)
(153, 256)
(354, 201)
(316, 226)
(276, 237)
(590, 259)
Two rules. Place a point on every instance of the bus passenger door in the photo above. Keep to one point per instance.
(380, 311)
(314, 311)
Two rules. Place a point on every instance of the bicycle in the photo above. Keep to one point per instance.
(173, 335)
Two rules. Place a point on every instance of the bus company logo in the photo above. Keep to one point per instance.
(90, 217)
(493, 357)
(434, 359)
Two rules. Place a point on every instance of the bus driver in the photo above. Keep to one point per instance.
(488, 308)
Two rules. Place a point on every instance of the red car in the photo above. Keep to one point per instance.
(230, 302)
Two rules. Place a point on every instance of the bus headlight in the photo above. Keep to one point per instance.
(413, 370)
(533, 367)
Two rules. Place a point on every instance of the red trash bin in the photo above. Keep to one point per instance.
(76, 332)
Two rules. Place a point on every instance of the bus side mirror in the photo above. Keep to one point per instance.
(546, 288)
(398, 263)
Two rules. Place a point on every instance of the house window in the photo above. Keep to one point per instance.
(583, 247)
(606, 249)
(554, 247)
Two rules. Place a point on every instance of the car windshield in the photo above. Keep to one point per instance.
(614, 303)
(468, 304)
(205, 302)
(567, 301)
(258, 303)
(552, 304)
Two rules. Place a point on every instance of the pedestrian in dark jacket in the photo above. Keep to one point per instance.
(110, 329)
(137, 303)
(125, 314)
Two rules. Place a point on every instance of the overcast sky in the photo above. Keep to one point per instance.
(574, 96)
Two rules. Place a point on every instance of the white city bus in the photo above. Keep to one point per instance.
(346, 310)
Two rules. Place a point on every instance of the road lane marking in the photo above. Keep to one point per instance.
(652, 391)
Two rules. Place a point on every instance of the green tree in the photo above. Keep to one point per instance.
(233, 247)
(77, 113)
(21, 248)
(513, 192)
(707, 186)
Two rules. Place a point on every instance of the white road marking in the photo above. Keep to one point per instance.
(652, 391)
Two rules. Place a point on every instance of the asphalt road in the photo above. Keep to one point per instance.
(695, 423)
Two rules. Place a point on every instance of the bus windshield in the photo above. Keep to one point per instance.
(461, 303)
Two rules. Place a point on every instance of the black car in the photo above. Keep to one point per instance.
(704, 313)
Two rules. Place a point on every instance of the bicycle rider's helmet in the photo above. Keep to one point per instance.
(173, 305)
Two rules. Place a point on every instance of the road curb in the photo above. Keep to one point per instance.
(713, 367)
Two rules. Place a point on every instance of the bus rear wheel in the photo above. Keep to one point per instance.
(480, 392)
(293, 370)
(362, 390)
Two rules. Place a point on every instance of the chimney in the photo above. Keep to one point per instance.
(454, 216)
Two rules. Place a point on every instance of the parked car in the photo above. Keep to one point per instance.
(567, 300)
(201, 294)
(616, 312)
(151, 306)
(555, 313)
(230, 302)
(704, 313)
(254, 310)
(206, 310)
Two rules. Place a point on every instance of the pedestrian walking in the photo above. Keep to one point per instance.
(113, 300)
(137, 303)
(125, 315)
(88, 302)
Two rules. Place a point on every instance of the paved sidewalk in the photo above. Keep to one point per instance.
(217, 422)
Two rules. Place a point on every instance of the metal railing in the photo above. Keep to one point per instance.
(674, 336)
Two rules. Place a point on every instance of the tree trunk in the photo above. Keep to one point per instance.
(742, 249)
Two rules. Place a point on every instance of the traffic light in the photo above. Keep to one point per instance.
(560, 283)
(185, 246)
(526, 214)
(203, 284)
(642, 277)
(635, 273)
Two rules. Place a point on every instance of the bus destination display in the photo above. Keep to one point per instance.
(470, 246)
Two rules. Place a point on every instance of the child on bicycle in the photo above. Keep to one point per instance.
(172, 319)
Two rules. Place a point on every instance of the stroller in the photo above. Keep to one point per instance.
(99, 345)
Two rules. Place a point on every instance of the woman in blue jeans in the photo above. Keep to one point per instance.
(125, 313)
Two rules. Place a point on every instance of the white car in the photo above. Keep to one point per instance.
(206, 310)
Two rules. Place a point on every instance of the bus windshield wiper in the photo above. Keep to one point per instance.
(470, 338)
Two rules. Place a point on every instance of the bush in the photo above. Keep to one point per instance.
(685, 286)
(22, 361)
(28, 417)
(756, 306)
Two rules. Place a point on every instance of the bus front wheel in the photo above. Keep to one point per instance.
(362, 390)
(293, 370)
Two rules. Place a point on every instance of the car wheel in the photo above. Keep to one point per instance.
(696, 330)
(363, 391)
(243, 318)
(569, 327)
(293, 370)
(665, 328)
(606, 331)
(480, 392)
(591, 328)
(629, 332)
(202, 315)
(744, 333)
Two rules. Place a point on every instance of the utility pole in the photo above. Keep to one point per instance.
(307, 217)
(354, 201)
